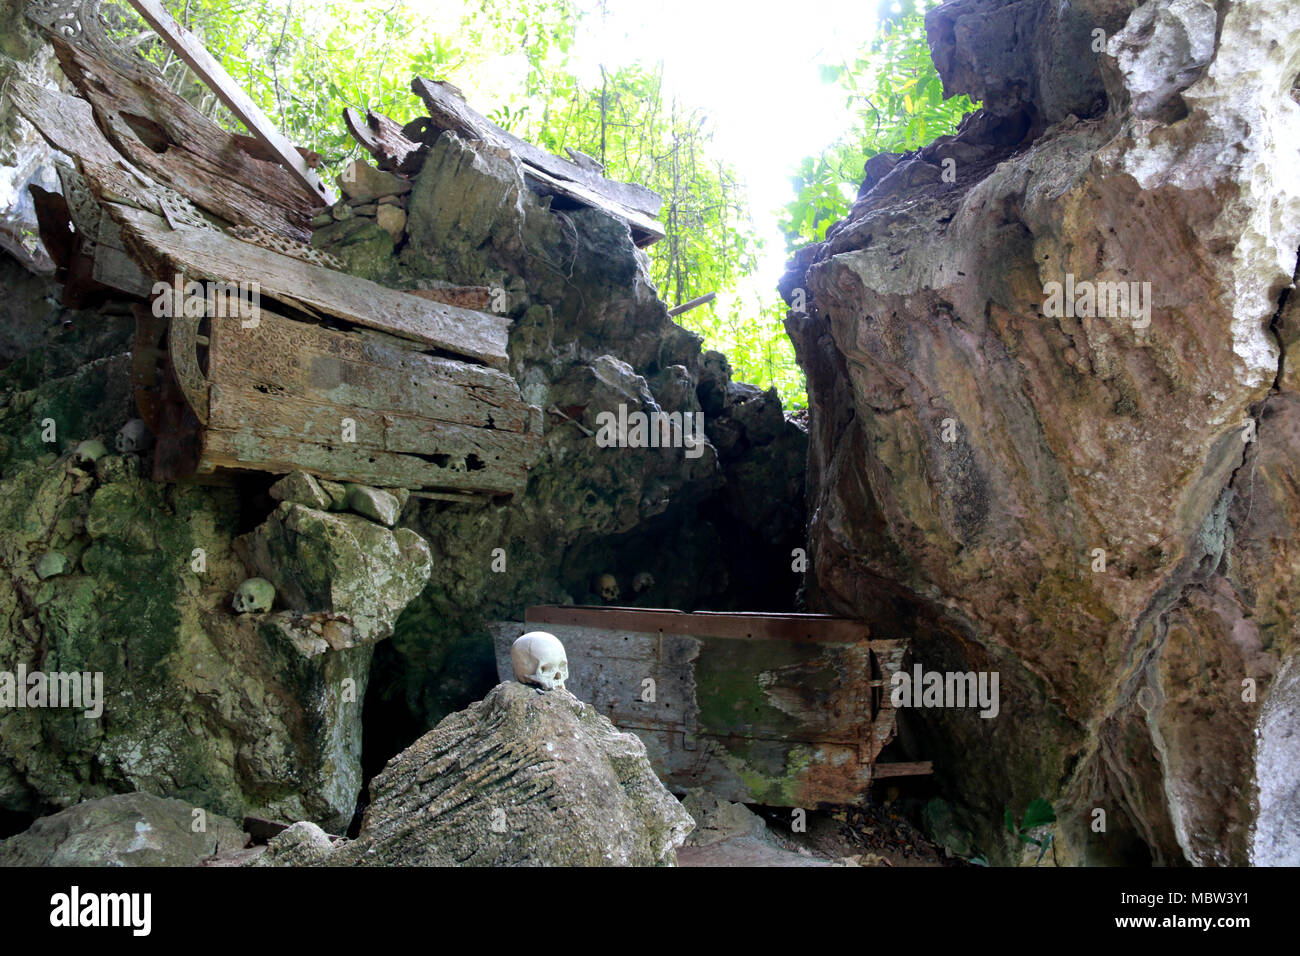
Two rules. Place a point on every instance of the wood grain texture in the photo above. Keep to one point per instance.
(281, 356)
(211, 254)
(164, 136)
(206, 67)
(382, 138)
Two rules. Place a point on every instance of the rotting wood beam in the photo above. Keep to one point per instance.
(382, 138)
(550, 174)
(206, 67)
(212, 254)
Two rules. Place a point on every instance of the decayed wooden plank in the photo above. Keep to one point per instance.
(466, 296)
(457, 456)
(790, 627)
(283, 356)
(915, 768)
(166, 137)
(449, 111)
(634, 204)
(342, 462)
(645, 231)
(381, 137)
(205, 66)
(66, 122)
(211, 254)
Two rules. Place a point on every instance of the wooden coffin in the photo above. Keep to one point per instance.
(347, 404)
(338, 376)
(775, 709)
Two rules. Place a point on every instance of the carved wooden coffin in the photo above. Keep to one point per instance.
(776, 709)
(330, 373)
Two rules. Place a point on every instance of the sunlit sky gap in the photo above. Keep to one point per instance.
(752, 65)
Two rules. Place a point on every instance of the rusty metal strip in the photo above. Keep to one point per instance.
(812, 628)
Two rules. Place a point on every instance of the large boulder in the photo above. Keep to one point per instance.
(521, 778)
(129, 829)
(325, 561)
(246, 714)
(1097, 503)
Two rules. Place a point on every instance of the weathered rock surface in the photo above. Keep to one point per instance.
(521, 778)
(324, 561)
(972, 448)
(129, 829)
(242, 714)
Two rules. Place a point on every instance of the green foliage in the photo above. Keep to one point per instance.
(1038, 814)
(304, 61)
(897, 99)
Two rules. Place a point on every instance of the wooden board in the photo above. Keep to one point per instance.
(777, 709)
(211, 254)
(382, 138)
(164, 136)
(282, 356)
(343, 462)
(550, 174)
(205, 66)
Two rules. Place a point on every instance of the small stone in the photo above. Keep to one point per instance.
(365, 209)
(388, 201)
(321, 219)
(337, 492)
(374, 504)
(392, 219)
(301, 488)
(50, 564)
(365, 183)
(341, 210)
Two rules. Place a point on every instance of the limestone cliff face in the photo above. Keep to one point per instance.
(977, 452)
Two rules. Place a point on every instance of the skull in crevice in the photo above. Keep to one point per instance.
(607, 588)
(254, 596)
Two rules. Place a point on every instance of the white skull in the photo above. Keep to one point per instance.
(88, 452)
(134, 436)
(256, 595)
(608, 587)
(538, 658)
(643, 582)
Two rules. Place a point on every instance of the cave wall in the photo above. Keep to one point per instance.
(276, 714)
(971, 447)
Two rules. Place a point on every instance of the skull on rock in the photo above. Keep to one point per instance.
(643, 582)
(256, 595)
(538, 659)
(134, 436)
(607, 585)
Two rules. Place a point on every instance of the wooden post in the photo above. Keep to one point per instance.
(693, 304)
(197, 57)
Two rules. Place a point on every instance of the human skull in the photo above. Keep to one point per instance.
(538, 659)
(134, 436)
(643, 582)
(256, 595)
(88, 452)
(608, 587)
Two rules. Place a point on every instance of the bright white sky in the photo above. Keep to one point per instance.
(753, 65)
